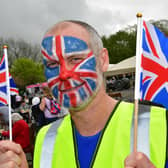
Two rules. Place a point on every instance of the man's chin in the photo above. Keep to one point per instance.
(81, 106)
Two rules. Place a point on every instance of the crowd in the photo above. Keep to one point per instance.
(30, 114)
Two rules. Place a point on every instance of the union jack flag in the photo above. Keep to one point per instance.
(13, 88)
(3, 87)
(3, 84)
(154, 64)
(73, 86)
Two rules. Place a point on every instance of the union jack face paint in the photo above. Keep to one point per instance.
(73, 86)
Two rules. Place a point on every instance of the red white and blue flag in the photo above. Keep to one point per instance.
(3, 83)
(154, 65)
(3, 86)
(13, 88)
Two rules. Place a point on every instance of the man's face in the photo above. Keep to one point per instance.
(70, 68)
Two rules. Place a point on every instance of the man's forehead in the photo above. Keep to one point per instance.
(67, 28)
(66, 45)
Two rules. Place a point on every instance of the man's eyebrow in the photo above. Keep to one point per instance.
(51, 61)
(76, 55)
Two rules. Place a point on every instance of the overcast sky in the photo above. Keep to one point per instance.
(29, 19)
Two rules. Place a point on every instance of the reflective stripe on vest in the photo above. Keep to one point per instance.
(112, 150)
(152, 134)
(143, 130)
(45, 144)
(48, 145)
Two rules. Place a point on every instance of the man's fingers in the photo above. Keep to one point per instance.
(9, 165)
(130, 161)
(138, 160)
(10, 156)
(8, 145)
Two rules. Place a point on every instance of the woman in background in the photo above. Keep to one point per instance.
(45, 106)
(20, 131)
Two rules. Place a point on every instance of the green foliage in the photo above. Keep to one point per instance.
(162, 26)
(120, 46)
(25, 72)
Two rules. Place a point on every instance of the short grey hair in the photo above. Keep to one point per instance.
(16, 117)
(95, 42)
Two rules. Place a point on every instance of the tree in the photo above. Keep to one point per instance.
(25, 72)
(162, 25)
(19, 48)
(120, 46)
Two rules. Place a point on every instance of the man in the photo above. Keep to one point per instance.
(94, 134)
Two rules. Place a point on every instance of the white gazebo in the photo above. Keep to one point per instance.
(125, 66)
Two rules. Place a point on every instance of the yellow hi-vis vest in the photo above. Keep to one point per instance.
(56, 147)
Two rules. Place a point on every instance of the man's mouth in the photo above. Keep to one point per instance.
(72, 88)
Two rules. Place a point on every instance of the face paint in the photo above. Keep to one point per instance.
(75, 86)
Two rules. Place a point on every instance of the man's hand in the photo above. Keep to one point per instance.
(12, 155)
(138, 160)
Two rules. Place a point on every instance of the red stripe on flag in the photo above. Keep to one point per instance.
(152, 46)
(14, 90)
(3, 100)
(145, 79)
(2, 77)
(161, 78)
(2, 59)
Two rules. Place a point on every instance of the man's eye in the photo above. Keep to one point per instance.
(52, 64)
(76, 60)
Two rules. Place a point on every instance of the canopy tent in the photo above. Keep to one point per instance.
(37, 85)
(125, 66)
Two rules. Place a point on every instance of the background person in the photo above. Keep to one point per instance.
(20, 131)
(37, 114)
(24, 111)
(45, 106)
(4, 113)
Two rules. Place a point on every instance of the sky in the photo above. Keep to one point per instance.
(29, 19)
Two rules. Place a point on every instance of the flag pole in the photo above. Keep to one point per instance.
(137, 77)
(8, 91)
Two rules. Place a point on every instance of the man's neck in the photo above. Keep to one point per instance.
(93, 118)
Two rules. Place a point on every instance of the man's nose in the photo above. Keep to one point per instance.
(65, 73)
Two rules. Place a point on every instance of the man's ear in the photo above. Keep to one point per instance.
(104, 60)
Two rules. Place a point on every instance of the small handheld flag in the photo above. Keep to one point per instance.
(5, 87)
(154, 65)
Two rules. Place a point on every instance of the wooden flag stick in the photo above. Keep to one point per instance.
(8, 91)
(137, 77)
(135, 125)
